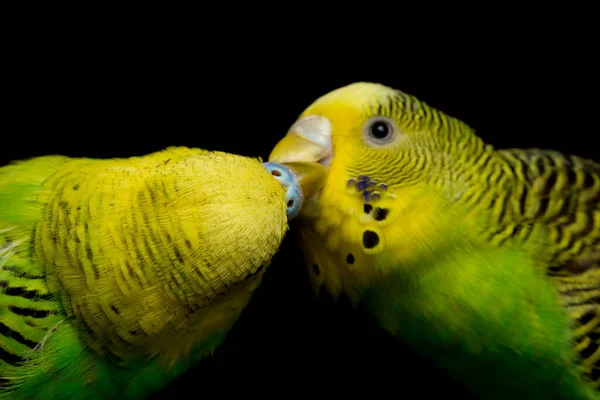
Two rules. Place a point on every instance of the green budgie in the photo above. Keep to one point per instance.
(486, 260)
(117, 275)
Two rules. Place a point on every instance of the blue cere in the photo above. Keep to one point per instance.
(293, 192)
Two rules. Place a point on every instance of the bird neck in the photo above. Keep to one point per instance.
(489, 317)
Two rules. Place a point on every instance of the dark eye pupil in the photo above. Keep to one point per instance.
(380, 130)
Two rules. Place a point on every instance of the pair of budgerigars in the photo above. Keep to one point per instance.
(117, 275)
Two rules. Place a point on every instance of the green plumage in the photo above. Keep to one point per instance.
(486, 260)
(117, 275)
(487, 315)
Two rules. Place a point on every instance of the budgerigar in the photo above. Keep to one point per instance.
(116, 275)
(486, 260)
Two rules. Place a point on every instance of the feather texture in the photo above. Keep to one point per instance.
(487, 260)
(118, 274)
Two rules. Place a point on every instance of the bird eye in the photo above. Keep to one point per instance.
(380, 130)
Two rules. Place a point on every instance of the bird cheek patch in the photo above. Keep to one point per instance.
(380, 214)
(369, 189)
(372, 241)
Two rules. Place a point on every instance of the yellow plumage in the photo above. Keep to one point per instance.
(511, 190)
(402, 175)
(145, 258)
(145, 245)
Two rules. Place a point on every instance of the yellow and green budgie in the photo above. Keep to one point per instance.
(116, 275)
(486, 260)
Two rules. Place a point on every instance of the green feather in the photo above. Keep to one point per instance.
(501, 330)
(486, 260)
(107, 289)
(44, 357)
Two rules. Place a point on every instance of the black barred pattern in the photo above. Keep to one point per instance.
(10, 358)
(9, 333)
(519, 190)
(562, 194)
(559, 191)
(22, 302)
(24, 292)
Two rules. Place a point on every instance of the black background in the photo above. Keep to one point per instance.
(119, 89)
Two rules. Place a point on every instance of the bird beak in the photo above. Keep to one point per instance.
(306, 150)
(294, 147)
(311, 176)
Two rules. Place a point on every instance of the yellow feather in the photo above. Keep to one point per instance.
(148, 249)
